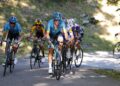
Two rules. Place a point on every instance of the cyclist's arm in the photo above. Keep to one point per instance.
(32, 31)
(43, 30)
(20, 32)
(5, 31)
(65, 31)
(71, 34)
(48, 31)
(4, 36)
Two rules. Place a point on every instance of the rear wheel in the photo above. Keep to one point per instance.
(39, 57)
(116, 50)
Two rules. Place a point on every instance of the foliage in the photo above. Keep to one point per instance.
(112, 2)
(111, 73)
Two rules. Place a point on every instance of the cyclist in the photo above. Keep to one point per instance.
(12, 31)
(55, 30)
(69, 25)
(38, 31)
(77, 28)
(78, 33)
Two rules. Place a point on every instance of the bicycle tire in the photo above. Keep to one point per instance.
(116, 50)
(32, 60)
(58, 71)
(5, 67)
(79, 56)
(38, 59)
(11, 62)
(64, 59)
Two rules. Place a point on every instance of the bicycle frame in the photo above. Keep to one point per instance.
(35, 52)
(9, 57)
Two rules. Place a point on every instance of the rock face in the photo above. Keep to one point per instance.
(86, 19)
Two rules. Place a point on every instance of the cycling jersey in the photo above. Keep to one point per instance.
(13, 32)
(15, 29)
(77, 31)
(54, 32)
(39, 32)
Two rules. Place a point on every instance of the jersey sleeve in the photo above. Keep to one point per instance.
(32, 29)
(6, 27)
(19, 27)
(48, 26)
(43, 29)
(63, 27)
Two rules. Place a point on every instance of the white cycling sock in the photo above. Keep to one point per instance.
(50, 64)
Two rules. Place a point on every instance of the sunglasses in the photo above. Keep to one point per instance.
(56, 19)
(37, 25)
(12, 23)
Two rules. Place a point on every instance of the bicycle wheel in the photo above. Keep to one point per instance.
(58, 71)
(64, 59)
(32, 59)
(116, 50)
(78, 57)
(11, 62)
(6, 65)
(38, 58)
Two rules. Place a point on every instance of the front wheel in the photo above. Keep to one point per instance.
(11, 62)
(78, 57)
(32, 59)
(6, 65)
(58, 71)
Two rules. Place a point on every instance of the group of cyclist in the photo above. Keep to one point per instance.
(58, 28)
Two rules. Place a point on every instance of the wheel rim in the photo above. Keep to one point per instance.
(32, 61)
(79, 58)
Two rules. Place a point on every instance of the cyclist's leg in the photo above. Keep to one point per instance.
(50, 57)
(42, 49)
(15, 47)
(60, 44)
(16, 38)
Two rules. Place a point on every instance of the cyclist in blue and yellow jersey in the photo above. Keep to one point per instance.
(38, 31)
(12, 31)
(55, 30)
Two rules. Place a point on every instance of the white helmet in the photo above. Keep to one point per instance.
(60, 38)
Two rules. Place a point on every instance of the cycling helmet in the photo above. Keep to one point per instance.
(38, 21)
(77, 28)
(12, 19)
(73, 28)
(57, 16)
(60, 38)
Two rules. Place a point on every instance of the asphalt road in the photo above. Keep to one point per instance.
(24, 76)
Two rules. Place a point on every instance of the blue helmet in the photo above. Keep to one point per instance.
(13, 19)
(57, 16)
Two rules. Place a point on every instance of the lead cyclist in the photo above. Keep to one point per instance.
(55, 30)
